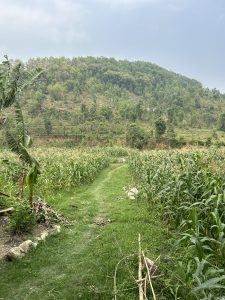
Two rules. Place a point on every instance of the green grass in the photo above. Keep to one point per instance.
(194, 134)
(79, 263)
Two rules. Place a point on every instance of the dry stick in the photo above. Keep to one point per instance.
(115, 274)
(121, 252)
(141, 293)
(3, 194)
(145, 287)
(149, 276)
(157, 258)
(123, 290)
(7, 210)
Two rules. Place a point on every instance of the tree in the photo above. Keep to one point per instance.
(56, 91)
(48, 126)
(84, 111)
(139, 110)
(136, 136)
(160, 127)
(221, 122)
(106, 112)
(170, 133)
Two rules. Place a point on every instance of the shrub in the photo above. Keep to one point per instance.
(160, 127)
(136, 137)
(22, 219)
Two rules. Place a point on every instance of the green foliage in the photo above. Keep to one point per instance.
(22, 219)
(19, 145)
(221, 122)
(106, 112)
(48, 126)
(13, 80)
(61, 168)
(170, 133)
(160, 127)
(136, 137)
(188, 188)
(9, 77)
(77, 94)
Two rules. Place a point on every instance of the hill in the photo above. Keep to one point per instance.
(96, 98)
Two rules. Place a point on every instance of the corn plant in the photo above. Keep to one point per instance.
(188, 187)
(61, 169)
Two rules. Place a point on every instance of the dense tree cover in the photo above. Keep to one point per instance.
(160, 127)
(102, 96)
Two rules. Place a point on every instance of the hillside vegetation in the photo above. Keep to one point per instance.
(96, 98)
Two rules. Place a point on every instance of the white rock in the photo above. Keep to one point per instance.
(26, 246)
(37, 239)
(35, 244)
(23, 248)
(14, 253)
(131, 196)
(121, 160)
(54, 230)
(134, 190)
(132, 193)
(43, 235)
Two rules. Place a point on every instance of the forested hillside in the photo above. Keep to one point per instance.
(99, 97)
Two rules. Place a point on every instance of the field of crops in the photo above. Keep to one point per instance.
(185, 187)
(61, 169)
(188, 188)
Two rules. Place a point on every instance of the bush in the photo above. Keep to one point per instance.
(160, 127)
(136, 137)
(22, 219)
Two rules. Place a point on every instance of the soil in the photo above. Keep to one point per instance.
(102, 221)
(7, 240)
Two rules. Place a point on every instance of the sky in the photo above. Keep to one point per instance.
(185, 36)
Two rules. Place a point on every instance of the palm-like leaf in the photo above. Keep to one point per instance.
(28, 78)
(21, 130)
(18, 148)
(13, 81)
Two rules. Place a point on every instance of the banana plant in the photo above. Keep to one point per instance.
(13, 80)
(20, 143)
(9, 77)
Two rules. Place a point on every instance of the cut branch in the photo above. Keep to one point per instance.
(140, 279)
(7, 210)
(149, 275)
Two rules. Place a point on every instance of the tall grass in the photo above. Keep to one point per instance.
(189, 190)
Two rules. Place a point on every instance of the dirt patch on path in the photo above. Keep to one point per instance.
(102, 222)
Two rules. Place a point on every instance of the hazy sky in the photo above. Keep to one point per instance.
(186, 36)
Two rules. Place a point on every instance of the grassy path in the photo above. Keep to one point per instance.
(79, 263)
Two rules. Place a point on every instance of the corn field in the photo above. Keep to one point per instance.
(188, 188)
(61, 169)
